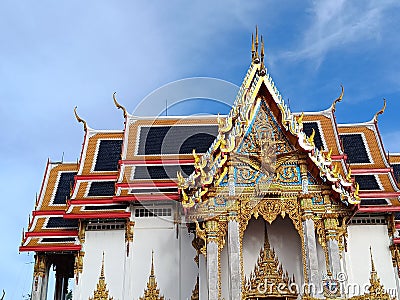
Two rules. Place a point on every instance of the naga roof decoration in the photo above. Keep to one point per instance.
(339, 99)
(80, 120)
(119, 106)
(212, 166)
(380, 112)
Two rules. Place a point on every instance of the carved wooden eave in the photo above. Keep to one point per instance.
(101, 292)
(152, 292)
(212, 167)
(268, 278)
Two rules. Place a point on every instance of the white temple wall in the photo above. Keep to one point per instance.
(283, 237)
(174, 265)
(357, 257)
(112, 243)
(188, 266)
(158, 235)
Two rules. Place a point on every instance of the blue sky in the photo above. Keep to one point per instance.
(58, 54)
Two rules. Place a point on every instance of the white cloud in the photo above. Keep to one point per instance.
(339, 25)
(391, 141)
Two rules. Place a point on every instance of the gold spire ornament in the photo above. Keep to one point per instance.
(80, 120)
(381, 111)
(339, 99)
(255, 56)
(152, 292)
(267, 276)
(262, 67)
(376, 290)
(119, 106)
(101, 292)
(253, 50)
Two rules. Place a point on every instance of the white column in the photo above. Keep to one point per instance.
(334, 256)
(40, 278)
(37, 288)
(235, 278)
(212, 269)
(311, 255)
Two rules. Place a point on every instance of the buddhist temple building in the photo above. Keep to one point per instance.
(262, 203)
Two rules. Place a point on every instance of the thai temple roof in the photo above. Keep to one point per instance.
(152, 159)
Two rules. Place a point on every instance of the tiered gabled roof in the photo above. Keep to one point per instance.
(94, 187)
(155, 150)
(359, 153)
(369, 163)
(116, 167)
(258, 87)
(394, 160)
(48, 230)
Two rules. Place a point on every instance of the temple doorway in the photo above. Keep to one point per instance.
(272, 260)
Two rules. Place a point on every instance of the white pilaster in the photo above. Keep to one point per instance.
(235, 278)
(311, 255)
(212, 270)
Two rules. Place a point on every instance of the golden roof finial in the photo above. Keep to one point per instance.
(152, 263)
(119, 106)
(152, 292)
(252, 47)
(372, 260)
(101, 292)
(262, 57)
(333, 107)
(381, 111)
(36, 201)
(80, 120)
(256, 60)
(102, 267)
(376, 290)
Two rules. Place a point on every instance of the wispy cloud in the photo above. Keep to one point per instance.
(339, 25)
(391, 141)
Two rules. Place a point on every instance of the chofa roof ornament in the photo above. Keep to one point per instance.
(119, 106)
(375, 119)
(80, 120)
(339, 99)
